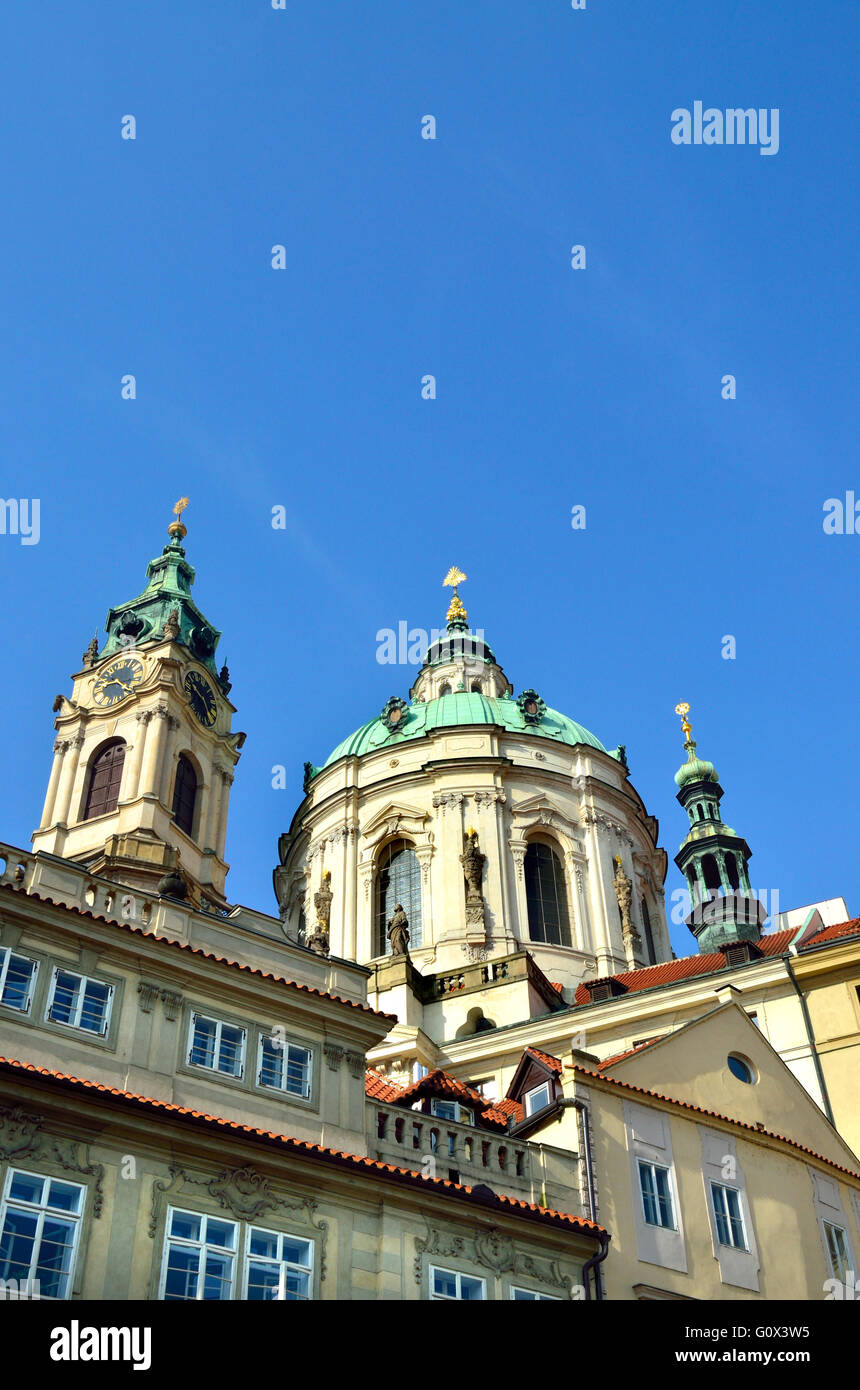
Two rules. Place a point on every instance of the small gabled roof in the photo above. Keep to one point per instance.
(532, 1059)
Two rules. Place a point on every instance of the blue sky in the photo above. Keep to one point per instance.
(555, 387)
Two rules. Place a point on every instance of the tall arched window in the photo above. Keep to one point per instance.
(185, 794)
(105, 779)
(546, 896)
(398, 880)
(711, 871)
(649, 937)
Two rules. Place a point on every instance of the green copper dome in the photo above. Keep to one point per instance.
(695, 770)
(462, 707)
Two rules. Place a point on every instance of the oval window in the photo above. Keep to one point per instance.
(741, 1069)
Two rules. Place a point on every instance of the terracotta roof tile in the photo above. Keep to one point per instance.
(834, 932)
(340, 1156)
(715, 1115)
(378, 1087)
(204, 955)
(688, 967)
(438, 1082)
(506, 1107)
(619, 1056)
(547, 1058)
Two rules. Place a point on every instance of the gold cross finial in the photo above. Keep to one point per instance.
(686, 728)
(456, 611)
(176, 528)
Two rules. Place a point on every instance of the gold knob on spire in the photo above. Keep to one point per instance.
(686, 728)
(456, 612)
(176, 527)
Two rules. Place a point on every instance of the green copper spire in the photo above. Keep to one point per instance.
(713, 858)
(165, 610)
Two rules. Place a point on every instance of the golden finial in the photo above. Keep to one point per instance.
(686, 728)
(456, 612)
(176, 527)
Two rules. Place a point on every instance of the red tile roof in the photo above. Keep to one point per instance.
(715, 1115)
(833, 933)
(378, 1087)
(619, 1056)
(439, 1083)
(506, 1107)
(688, 967)
(547, 1058)
(483, 1197)
(205, 955)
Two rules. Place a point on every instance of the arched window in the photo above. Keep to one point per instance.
(649, 937)
(398, 880)
(546, 896)
(476, 687)
(732, 871)
(184, 794)
(444, 689)
(711, 871)
(105, 779)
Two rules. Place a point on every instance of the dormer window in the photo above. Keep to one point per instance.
(538, 1098)
(451, 1110)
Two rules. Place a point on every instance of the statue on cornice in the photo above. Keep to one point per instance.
(398, 932)
(473, 868)
(318, 939)
(624, 894)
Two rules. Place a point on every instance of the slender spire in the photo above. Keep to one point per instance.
(456, 615)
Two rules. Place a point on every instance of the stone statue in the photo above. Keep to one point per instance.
(624, 894)
(398, 932)
(171, 627)
(473, 868)
(91, 653)
(318, 939)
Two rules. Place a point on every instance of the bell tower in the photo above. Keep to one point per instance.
(713, 858)
(144, 756)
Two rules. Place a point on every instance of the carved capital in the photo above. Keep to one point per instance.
(172, 1004)
(147, 995)
(333, 1055)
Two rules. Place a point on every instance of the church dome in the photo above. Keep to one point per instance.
(461, 707)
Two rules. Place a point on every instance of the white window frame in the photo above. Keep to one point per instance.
(658, 1226)
(283, 1046)
(75, 1022)
(458, 1276)
(461, 1116)
(528, 1098)
(202, 1247)
(7, 955)
(722, 1188)
(220, 1024)
(284, 1265)
(43, 1211)
(532, 1295)
(840, 1274)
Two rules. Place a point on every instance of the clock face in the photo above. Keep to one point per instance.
(201, 698)
(118, 680)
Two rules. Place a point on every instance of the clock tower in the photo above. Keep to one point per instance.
(145, 753)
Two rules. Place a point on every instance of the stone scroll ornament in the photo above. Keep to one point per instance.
(318, 939)
(398, 932)
(473, 868)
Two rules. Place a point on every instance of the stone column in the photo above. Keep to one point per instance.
(449, 874)
(51, 795)
(520, 928)
(224, 799)
(132, 770)
(168, 760)
(71, 759)
(150, 777)
(349, 898)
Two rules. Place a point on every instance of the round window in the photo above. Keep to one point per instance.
(741, 1069)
